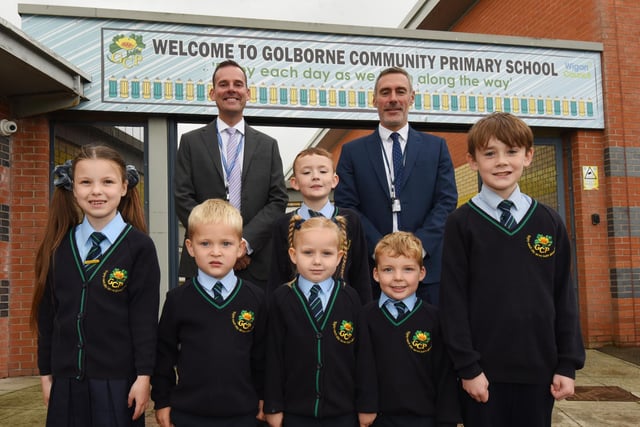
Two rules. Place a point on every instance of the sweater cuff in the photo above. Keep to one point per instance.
(470, 372)
(566, 369)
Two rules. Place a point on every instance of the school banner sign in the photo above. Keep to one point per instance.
(166, 68)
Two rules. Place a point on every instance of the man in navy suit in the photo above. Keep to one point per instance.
(410, 187)
(203, 167)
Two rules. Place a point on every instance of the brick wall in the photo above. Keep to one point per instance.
(24, 199)
(608, 255)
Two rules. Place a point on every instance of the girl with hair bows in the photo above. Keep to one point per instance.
(95, 305)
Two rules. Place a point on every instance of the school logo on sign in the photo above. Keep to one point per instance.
(126, 50)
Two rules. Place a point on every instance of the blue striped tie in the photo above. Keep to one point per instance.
(402, 310)
(95, 251)
(217, 293)
(315, 304)
(506, 219)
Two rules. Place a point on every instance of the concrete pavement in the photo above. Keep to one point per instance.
(608, 394)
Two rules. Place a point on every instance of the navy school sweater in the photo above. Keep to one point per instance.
(218, 351)
(507, 300)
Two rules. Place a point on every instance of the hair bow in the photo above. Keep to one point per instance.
(62, 176)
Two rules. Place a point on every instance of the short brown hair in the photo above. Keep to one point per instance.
(400, 243)
(506, 127)
(228, 63)
(312, 151)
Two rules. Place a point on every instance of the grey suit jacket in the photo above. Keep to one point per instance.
(199, 176)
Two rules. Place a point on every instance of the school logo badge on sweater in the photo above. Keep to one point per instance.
(344, 332)
(542, 246)
(419, 341)
(115, 280)
(244, 321)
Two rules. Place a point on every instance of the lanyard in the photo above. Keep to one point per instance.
(228, 167)
(392, 177)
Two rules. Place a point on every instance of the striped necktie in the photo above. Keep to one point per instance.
(235, 171)
(217, 293)
(315, 304)
(313, 214)
(506, 219)
(402, 309)
(91, 261)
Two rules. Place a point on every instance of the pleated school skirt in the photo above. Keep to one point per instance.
(91, 403)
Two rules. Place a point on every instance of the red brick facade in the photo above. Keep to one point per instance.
(25, 191)
(608, 255)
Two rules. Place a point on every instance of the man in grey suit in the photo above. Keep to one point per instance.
(204, 168)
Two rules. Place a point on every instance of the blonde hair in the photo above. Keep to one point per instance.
(400, 243)
(337, 224)
(215, 211)
(313, 151)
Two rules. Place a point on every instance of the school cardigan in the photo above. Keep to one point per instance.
(218, 351)
(103, 326)
(356, 273)
(318, 369)
(414, 373)
(507, 301)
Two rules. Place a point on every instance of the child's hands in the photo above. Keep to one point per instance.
(562, 387)
(366, 419)
(45, 382)
(477, 388)
(275, 420)
(163, 417)
(140, 392)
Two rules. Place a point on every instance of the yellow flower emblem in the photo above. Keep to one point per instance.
(127, 43)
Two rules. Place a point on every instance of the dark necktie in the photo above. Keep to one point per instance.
(315, 304)
(217, 293)
(94, 253)
(402, 310)
(506, 219)
(398, 167)
(235, 174)
(314, 214)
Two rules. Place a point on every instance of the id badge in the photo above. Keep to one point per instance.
(395, 206)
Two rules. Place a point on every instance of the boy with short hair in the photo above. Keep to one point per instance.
(416, 383)
(212, 330)
(314, 177)
(509, 311)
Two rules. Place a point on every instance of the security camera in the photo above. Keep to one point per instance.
(7, 127)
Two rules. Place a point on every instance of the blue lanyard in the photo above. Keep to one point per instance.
(228, 167)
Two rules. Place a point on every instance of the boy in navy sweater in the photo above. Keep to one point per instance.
(509, 311)
(416, 385)
(212, 331)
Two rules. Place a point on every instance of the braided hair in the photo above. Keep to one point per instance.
(337, 223)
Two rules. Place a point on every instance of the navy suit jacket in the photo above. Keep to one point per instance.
(199, 176)
(428, 192)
